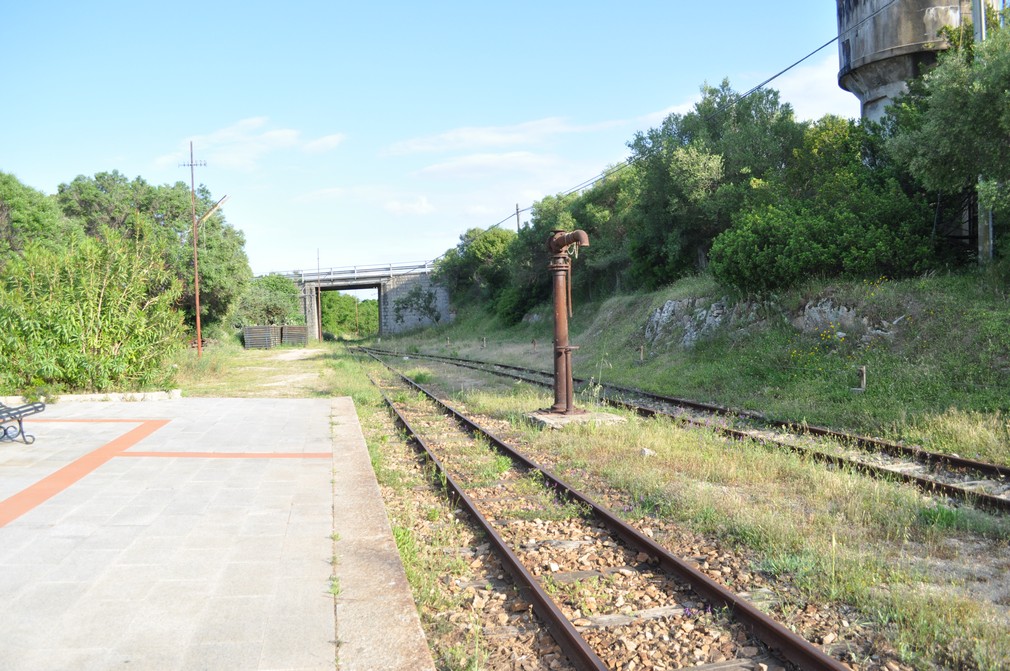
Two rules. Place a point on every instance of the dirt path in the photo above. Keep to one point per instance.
(277, 373)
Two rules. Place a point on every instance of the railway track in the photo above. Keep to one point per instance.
(610, 595)
(985, 486)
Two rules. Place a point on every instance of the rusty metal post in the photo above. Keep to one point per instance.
(561, 270)
(559, 266)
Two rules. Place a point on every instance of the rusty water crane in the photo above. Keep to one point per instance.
(561, 275)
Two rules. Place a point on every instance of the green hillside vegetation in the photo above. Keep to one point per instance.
(936, 350)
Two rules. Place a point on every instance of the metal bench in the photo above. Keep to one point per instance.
(9, 415)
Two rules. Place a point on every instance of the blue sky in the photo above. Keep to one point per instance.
(376, 132)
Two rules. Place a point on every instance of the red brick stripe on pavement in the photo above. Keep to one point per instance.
(232, 455)
(17, 505)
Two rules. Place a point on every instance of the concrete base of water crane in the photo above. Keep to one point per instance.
(559, 420)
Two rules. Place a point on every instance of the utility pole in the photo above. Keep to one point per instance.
(517, 218)
(196, 227)
(196, 264)
(985, 233)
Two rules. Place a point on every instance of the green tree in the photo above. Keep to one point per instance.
(29, 216)
(346, 315)
(164, 215)
(953, 130)
(673, 228)
(695, 172)
(269, 300)
(603, 211)
(107, 200)
(368, 317)
(338, 313)
(527, 281)
(479, 265)
(224, 270)
(838, 209)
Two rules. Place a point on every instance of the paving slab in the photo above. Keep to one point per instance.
(199, 534)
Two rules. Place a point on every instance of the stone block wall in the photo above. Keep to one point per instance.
(409, 302)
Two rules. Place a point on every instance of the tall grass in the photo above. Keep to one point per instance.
(968, 433)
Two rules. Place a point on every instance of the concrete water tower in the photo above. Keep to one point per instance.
(884, 43)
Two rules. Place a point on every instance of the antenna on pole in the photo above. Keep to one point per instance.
(192, 165)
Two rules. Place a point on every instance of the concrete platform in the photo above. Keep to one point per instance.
(199, 534)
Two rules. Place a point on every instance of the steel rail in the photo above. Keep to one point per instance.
(576, 647)
(978, 499)
(889, 447)
(793, 647)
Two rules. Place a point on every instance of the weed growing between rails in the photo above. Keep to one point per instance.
(834, 536)
(422, 534)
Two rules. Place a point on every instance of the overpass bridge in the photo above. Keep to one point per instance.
(408, 297)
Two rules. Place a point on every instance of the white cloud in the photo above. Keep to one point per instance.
(330, 193)
(471, 165)
(325, 143)
(812, 89)
(359, 193)
(242, 145)
(480, 211)
(421, 205)
(469, 138)
(655, 119)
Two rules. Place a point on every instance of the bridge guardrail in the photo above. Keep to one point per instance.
(364, 272)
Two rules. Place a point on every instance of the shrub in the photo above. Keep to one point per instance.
(97, 316)
(779, 246)
(515, 301)
(771, 248)
(269, 300)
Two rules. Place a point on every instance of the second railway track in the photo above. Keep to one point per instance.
(983, 485)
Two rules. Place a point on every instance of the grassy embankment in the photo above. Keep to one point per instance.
(941, 377)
